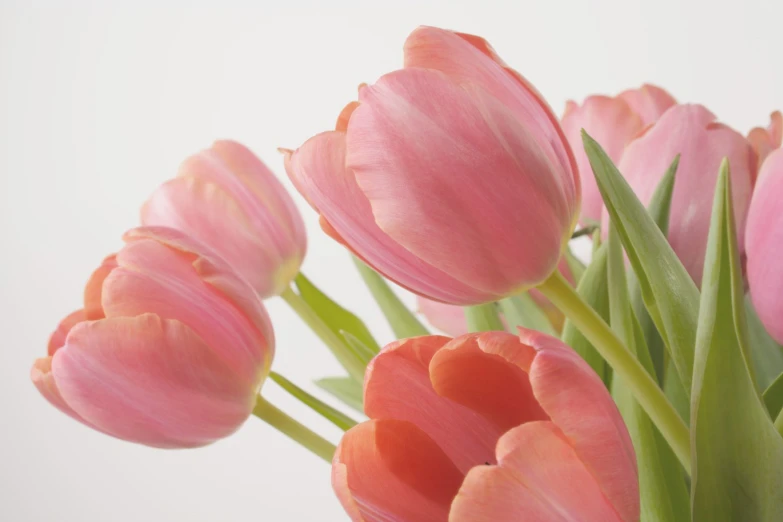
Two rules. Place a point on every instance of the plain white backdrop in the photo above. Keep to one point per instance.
(100, 101)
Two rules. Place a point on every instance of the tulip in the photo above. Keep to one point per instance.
(486, 427)
(450, 177)
(702, 142)
(764, 245)
(612, 122)
(170, 348)
(226, 198)
(764, 141)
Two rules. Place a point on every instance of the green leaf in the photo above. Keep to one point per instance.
(773, 397)
(333, 415)
(522, 310)
(335, 316)
(738, 454)
(669, 293)
(767, 354)
(483, 318)
(359, 350)
(402, 321)
(663, 492)
(592, 288)
(345, 389)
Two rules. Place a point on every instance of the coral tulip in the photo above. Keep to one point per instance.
(451, 176)
(226, 198)
(702, 142)
(764, 141)
(170, 348)
(764, 245)
(486, 427)
(613, 122)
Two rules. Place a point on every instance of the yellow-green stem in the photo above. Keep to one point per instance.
(623, 362)
(293, 429)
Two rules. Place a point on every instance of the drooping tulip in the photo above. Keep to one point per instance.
(764, 141)
(693, 132)
(169, 350)
(486, 427)
(451, 176)
(764, 245)
(613, 122)
(226, 198)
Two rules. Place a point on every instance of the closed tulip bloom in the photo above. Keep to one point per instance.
(764, 141)
(451, 176)
(613, 122)
(226, 198)
(702, 142)
(486, 427)
(170, 348)
(764, 240)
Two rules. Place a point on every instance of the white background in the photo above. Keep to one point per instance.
(99, 102)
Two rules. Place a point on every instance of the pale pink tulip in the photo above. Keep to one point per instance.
(170, 348)
(702, 142)
(613, 122)
(451, 176)
(764, 141)
(764, 245)
(226, 198)
(486, 427)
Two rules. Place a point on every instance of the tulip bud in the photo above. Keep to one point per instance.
(764, 245)
(451, 176)
(227, 199)
(692, 132)
(612, 122)
(488, 426)
(170, 348)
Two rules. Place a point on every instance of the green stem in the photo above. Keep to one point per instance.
(337, 346)
(333, 415)
(586, 231)
(402, 321)
(779, 423)
(292, 428)
(483, 318)
(622, 361)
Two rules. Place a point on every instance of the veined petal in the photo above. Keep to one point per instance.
(57, 339)
(445, 317)
(649, 102)
(93, 307)
(764, 141)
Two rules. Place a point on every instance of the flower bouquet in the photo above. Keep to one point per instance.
(645, 384)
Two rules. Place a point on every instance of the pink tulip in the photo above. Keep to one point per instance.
(486, 427)
(613, 122)
(451, 176)
(764, 243)
(169, 350)
(764, 141)
(702, 142)
(226, 198)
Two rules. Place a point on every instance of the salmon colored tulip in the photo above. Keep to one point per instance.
(226, 198)
(764, 141)
(170, 348)
(702, 142)
(451, 176)
(764, 244)
(486, 427)
(613, 122)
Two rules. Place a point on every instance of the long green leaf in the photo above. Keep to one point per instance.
(592, 288)
(483, 318)
(664, 494)
(669, 294)
(333, 415)
(767, 354)
(773, 397)
(522, 310)
(738, 454)
(345, 389)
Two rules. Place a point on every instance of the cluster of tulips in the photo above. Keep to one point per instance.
(645, 385)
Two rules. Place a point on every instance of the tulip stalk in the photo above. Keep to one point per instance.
(293, 429)
(622, 361)
(483, 318)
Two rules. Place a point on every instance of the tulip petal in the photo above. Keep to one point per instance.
(153, 277)
(612, 123)
(539, 477)
(391, 471)
(764, 141)
(151, 381)
(318, 169)
(397, 386)
(445, 317)
(93, 306)
(57, 339)
(416, 143)
(648, 101)
(486, 373)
